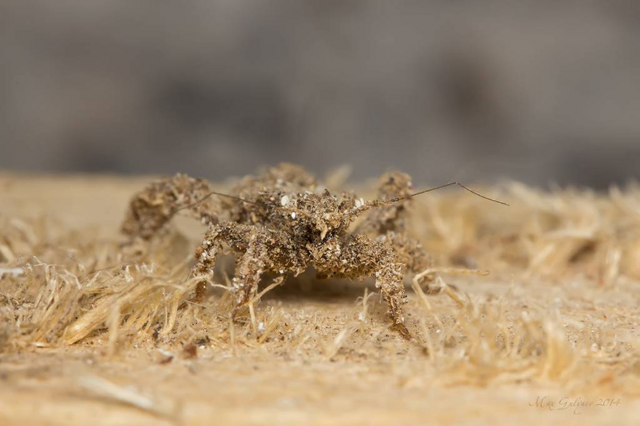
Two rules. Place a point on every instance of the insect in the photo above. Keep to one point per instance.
(283, 221)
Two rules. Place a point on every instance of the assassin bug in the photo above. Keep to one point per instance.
(282, 221)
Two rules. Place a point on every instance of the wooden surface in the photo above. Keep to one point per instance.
(340, 366)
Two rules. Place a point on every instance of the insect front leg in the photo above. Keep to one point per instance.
(232, 234)
(206, 255)
(249, 270)
(361, 256)
(248, 243)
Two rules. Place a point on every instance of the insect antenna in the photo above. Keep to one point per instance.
(378, 203)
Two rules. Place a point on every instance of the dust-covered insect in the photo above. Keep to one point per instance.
(283, 222)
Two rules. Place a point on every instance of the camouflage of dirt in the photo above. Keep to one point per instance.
(282, 221)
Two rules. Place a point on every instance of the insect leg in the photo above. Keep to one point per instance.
(389, 279)
(207, 252)
(206, 255)
(153, 207)
(413, 255)
(249, 270)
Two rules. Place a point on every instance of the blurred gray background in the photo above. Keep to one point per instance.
(539, 91)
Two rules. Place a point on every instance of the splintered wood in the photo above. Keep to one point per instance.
(98, 327)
